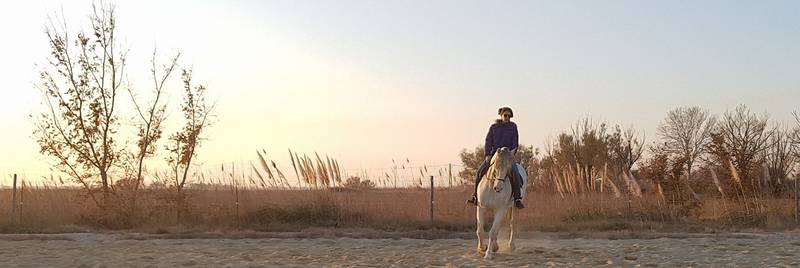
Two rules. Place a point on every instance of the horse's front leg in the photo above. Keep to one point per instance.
(496, 226)
(511, 230)
(480, 215)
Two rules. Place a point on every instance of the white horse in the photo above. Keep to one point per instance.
(494, 194)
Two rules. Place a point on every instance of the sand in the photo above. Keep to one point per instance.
(533, 250)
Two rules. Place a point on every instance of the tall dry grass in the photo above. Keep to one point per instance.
(260, 196)
(227, 208)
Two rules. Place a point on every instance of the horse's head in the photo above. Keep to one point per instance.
(500, 165)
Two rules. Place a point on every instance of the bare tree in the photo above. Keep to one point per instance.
(780, 157)
(686, 132)
(626, 148)
(795, 135)
(746, 136)
(80, 86)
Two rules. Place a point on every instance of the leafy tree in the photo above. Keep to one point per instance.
(588, 150)
(355, 182)
(81, 84)
(81, 127)
(471, 160)
(183, 144)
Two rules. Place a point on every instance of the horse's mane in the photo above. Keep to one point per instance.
(501, 162)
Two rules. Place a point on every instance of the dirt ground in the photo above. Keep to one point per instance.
(533, 250)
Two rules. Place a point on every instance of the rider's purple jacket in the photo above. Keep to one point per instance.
(501, 135)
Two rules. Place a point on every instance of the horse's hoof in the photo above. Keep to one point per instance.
(495, 248)
(511, 248)
(487, 257)
(481, 249)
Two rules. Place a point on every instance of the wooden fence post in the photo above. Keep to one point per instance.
(431, 207)
(236, 189)
(21, 201)
(450, 174)
(14, 200)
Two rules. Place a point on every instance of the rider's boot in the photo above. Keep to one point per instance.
(518, 203)
(480, 172)
(516, 191)
(473, 199)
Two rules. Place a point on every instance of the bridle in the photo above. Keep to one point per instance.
(492, 176)
(493, 171)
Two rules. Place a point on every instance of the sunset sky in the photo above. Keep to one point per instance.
(372, 81)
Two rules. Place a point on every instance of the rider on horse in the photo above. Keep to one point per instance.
(503, 133)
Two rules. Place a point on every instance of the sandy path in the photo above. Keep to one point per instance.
(92, 250)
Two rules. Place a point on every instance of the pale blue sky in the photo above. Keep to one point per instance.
(368, 81)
